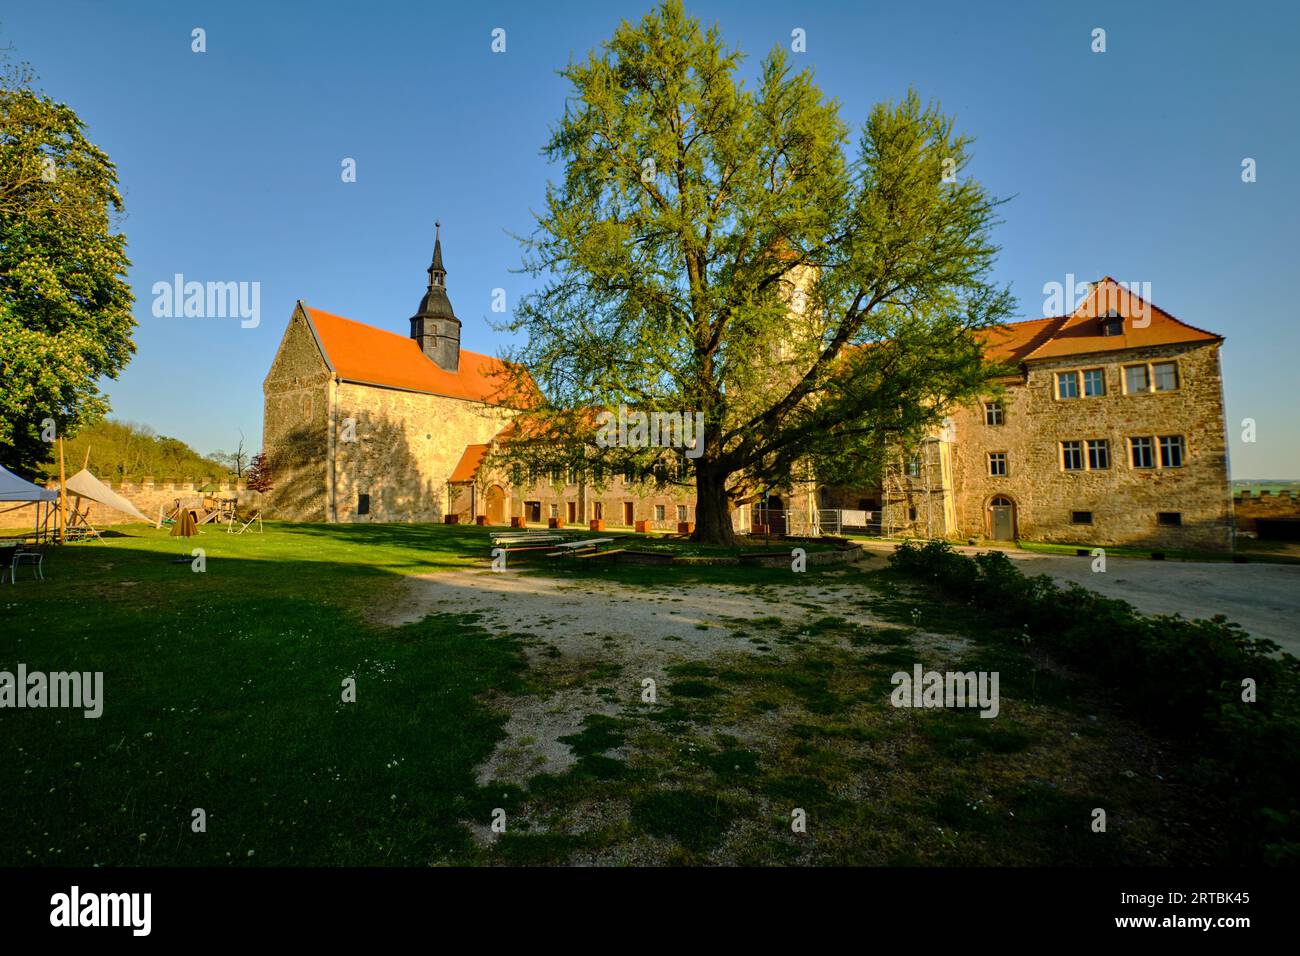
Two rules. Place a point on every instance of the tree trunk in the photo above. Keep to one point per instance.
(712, 509)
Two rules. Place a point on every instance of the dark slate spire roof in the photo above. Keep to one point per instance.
(435, 303)
(437, 249)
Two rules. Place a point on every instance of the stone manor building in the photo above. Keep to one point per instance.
(1109, 429)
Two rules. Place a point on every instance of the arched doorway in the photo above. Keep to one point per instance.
(1002, 518)
(495, 505)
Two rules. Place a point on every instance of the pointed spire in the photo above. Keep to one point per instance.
(437, 272)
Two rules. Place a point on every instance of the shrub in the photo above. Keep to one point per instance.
(1182, 676)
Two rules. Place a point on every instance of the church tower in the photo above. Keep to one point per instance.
(434, 325)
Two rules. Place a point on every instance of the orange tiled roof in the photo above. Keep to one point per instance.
(362, 353)
(469, 463)
(1145, 324)
(1081, 332)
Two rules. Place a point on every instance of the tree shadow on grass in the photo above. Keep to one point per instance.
(224, 691)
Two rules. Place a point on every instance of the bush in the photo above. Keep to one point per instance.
(1184, 677)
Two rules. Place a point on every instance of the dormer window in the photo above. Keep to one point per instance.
(1112, 323)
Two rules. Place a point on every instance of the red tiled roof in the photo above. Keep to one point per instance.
(1145, 325)
(362, 353)
(469, 463)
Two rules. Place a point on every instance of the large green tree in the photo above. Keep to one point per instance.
(65, 306)
(718, 249)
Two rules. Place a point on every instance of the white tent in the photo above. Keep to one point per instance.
(13, 488)
(85, 485)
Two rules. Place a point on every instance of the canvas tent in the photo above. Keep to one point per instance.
(15, 489)
(85, 485)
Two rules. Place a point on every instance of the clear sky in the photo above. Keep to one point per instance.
(1125, 163)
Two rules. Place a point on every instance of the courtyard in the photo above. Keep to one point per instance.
(552, 715)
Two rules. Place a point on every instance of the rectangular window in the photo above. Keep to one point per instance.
(629, 476)
(1172, 451)
(993, 414)
(363, 504)
(573, 476)
(1173, 518)
(598, 510)
(681, 512)
(1081, 517)
(1135, 379)
(1094, 382)
(1067, 384)
(1165, 375)
(998, 464)
(659, 512)
(1141, 452)
(1098, 453)
(911, 514)
(914, 467)
(555, 511)
(1072, 455)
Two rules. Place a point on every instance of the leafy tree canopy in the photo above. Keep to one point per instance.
(65, 306)
(719, 249)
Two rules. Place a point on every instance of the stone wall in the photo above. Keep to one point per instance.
(406, 445)
(1124, 501)
(1249, 508)
(147, 495)
(295, 425)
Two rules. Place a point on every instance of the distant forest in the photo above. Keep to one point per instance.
(126, 451)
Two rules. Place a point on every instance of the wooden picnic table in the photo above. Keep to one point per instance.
(593, 543)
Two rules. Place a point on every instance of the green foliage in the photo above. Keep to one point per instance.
(717, 249)
(1182, 676)
(123, 451)
(65, 306)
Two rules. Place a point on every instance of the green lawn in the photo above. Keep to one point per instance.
(223, 692)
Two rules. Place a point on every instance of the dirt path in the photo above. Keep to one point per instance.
(597, 642)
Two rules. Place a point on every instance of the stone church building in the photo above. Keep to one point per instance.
(1110, 430)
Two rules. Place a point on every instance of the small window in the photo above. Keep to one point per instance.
(363, 504)
(555, 510)
(1098, 453)
(1080, 517)
(993, 414)
(1135, 379)
(1165, 376)
(1142, 452)
(659, 512)
(1112, 324)
(1094, 382)
(573, 476)
(1169, 518)
(1072, 455)
(555, 475)
(629, 476)
(911, 514)
(998, 464)
(1172, 451)
(1067, 384)
(914, 467)
(598, 510)
(681, 512)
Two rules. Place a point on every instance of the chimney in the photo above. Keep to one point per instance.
(434, 325)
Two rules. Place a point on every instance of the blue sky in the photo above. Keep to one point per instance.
(1125, 163)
